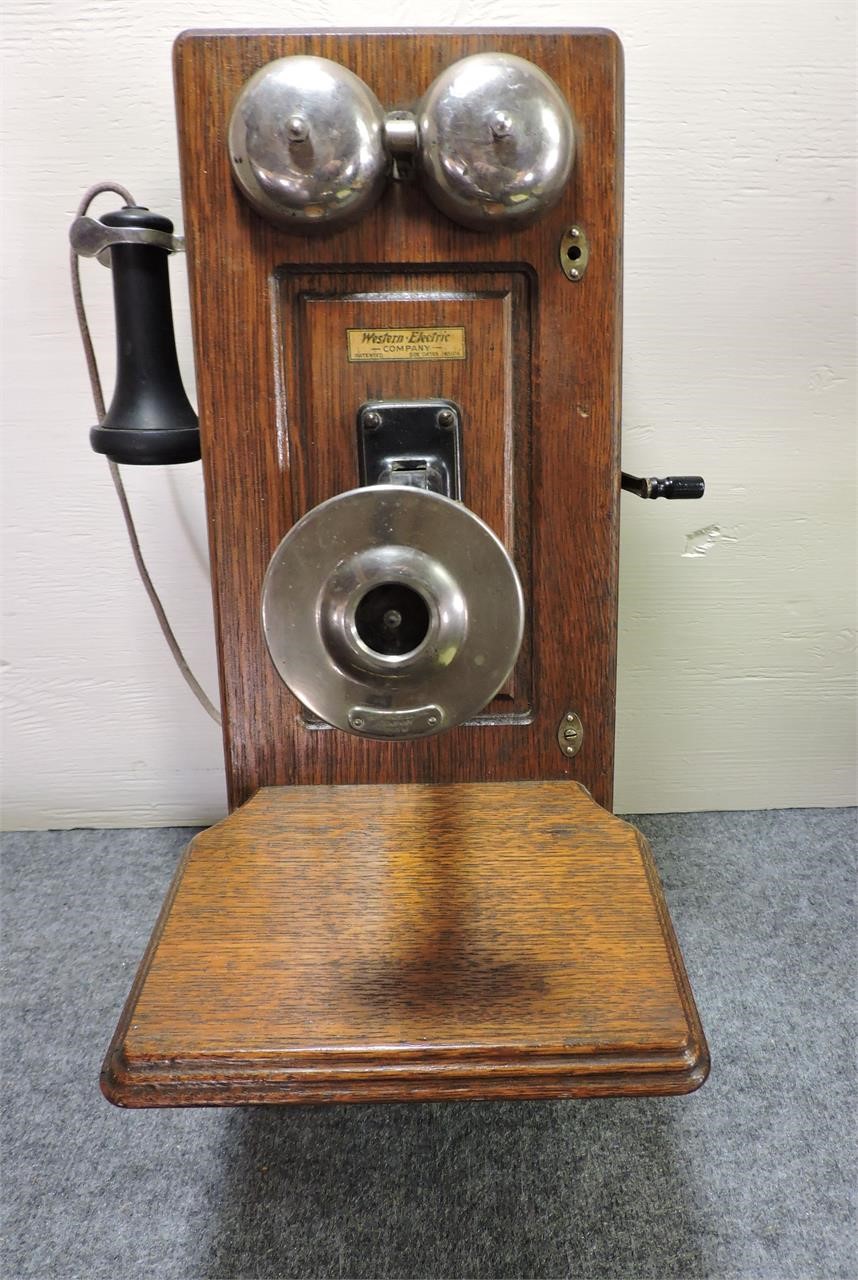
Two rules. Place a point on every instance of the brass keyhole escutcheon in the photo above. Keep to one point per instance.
(574, 252)
(570, 733)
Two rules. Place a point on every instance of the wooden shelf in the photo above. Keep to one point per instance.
(357, 943)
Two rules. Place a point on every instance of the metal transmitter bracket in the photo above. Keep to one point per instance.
(411, 442)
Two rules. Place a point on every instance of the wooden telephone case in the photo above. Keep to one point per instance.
(458, 916)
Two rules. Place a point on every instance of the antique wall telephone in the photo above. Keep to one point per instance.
(406, 324)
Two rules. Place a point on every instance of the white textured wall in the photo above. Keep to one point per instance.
(737, 613)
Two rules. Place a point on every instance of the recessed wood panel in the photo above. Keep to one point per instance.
(491, 384)
(323, 387)
(272, 378)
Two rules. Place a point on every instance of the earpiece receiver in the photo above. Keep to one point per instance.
(150, 420)
(492, 139)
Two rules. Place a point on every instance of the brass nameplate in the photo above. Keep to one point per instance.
(406, 344)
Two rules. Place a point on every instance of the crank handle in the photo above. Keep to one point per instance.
(667, 487)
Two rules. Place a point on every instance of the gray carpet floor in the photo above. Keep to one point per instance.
(752, 1177)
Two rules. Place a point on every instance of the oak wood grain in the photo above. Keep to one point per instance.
(395, 942)
(562, 489)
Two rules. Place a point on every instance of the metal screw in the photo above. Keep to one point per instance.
(570, 751)
(501, 125)
(570, 734)
(297, 129)
(446, 418)
(574, 274)
(570, 717)
(432, 721)
(357, 721)
(371, 420)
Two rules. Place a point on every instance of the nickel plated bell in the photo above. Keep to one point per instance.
(306, 143)
(492, 141)
(497, 141)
